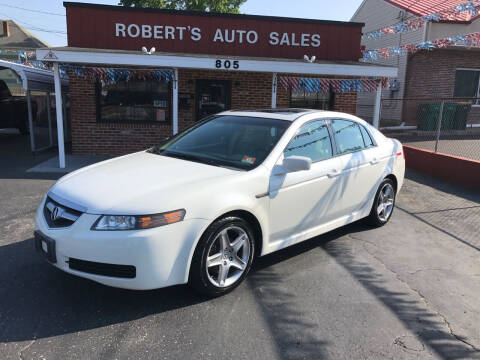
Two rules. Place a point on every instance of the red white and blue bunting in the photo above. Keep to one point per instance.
(470, 9)
(315, 85)
(114, 75)
(468, 40)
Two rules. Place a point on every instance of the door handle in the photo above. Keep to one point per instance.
(374, 161)
(333, 173)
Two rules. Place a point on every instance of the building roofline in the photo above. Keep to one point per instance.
(68, 4)
(358, 9)
(29, 34)
(416, 13)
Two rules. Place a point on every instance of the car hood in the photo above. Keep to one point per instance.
(137, 184)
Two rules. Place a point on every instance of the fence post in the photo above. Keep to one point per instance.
(439, 125)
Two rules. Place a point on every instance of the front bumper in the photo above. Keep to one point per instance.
(161, 256)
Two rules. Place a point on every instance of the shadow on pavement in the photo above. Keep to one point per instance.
(427, 324)
(39, 301)
(295, 336)
(443, 186)
(279, 305)
(449, 208)
(16, 158)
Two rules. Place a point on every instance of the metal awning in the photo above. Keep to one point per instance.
(40, 80)
(33, 79)
(209, 62)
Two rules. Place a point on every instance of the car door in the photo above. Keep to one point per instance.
(303, 200)
(360, 166)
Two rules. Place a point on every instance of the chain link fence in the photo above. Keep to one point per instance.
(445, 125)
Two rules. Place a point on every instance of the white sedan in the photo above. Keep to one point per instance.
(201, 206)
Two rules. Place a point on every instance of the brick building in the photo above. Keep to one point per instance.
(125, 99)
(450, 73)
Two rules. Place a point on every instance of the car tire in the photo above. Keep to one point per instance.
(230, 242)
(383, 204)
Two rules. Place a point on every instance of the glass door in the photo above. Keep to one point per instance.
(212, 96)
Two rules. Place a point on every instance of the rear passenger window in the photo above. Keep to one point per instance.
(348, 136)
(367, 139)
(312, 140)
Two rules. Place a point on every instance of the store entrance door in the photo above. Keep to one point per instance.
(212, 96)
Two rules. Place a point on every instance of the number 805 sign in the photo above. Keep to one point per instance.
(227, 64)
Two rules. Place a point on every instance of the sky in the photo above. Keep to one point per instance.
(51, 27)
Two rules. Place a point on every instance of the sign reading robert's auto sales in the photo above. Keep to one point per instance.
(233, 36)
(101, 27)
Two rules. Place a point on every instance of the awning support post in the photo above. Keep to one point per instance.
(30, 121)
(59, 109)
(175, 102)
(274, 90)
(49, 115)
(378, 105)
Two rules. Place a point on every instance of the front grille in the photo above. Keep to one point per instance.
(58, 215)
(112, 270)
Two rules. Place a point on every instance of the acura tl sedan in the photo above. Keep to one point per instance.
(201, 206)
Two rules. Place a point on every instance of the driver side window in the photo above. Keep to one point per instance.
(312, 140)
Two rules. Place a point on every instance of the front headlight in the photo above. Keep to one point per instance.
(131, 222)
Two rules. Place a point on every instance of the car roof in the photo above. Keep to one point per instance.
(289, 114)
(280, 114)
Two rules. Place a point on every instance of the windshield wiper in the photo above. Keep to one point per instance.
(190, 157)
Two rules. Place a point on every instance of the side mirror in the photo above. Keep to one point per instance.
(297, 163)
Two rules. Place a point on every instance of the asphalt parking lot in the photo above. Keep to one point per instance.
(409, 290)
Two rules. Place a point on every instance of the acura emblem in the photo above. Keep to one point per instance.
(54, 215)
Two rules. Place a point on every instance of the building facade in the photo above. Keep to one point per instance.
(126, 96)
(450, 73)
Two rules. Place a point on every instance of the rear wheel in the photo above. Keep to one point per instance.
(223, 256)
(383, 204)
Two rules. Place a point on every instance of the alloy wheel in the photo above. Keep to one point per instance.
(386, 200)
(228, 256)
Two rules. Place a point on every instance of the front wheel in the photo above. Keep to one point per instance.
(383, 204)
(223, 256)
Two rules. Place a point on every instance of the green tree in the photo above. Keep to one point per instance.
(220, 6)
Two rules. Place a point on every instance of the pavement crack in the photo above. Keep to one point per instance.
(422, 297)
(20, 353)
(428, 269)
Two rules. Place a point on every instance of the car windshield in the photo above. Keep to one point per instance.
(238, 142)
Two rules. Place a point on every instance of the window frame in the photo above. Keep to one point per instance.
(372, 139)
(337, 148)
(98, 108)
(332, 142)
(474, 103)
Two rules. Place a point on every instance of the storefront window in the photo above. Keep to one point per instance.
(467, 84)
(133, 101)
(309, 100)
